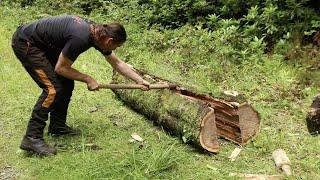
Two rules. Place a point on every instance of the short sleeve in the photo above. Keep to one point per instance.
(74, 47)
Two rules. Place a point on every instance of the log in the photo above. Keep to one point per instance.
(313, 117)
(282, 161)
(198, 118)
(256, 176)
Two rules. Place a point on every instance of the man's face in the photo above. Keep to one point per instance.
(107, 44)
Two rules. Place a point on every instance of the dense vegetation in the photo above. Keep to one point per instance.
(263, 49)
(267, 19)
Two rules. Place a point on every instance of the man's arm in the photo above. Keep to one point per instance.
(124, 69)
(63, 68)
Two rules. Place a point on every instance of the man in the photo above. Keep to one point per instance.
(47, 49)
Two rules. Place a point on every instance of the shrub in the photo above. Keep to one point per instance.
(271, 20)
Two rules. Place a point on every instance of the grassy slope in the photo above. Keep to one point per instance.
(162, 156)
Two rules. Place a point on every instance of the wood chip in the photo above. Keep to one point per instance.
(235, 153)
(92, 146)
(136, 137)
(211, 167)
(235, 104)
(231, 93)
(93, 109)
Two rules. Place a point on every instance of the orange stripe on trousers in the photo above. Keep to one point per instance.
(51, 90)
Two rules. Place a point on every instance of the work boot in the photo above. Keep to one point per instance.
(63, 130)
(37, 146)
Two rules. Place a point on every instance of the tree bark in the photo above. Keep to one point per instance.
(198, 118)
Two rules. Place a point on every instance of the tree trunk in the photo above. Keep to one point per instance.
(197, 118)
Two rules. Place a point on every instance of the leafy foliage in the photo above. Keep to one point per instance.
(264, 19)
(271, 20)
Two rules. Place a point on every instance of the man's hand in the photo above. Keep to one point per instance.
(92, 84)
(145, 84)
(127, 70)
(63, 68)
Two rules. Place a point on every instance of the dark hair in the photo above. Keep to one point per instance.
(113, 30)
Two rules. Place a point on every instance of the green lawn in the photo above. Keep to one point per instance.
(269, 86)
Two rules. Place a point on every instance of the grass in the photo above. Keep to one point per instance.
(269, 84)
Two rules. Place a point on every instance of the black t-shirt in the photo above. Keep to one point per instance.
(67, 34)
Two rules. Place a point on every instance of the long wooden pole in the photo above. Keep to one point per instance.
(136, 86)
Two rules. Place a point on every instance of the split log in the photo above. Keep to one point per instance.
(313, 117)
(197, 118)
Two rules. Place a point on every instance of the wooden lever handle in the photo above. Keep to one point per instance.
(136, 86)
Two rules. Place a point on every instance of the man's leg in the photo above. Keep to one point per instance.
(39, 68)
(58, 113)
(38, 118)
(45, 76)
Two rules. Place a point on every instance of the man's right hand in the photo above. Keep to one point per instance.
(146, 85)
(63, 68)
(92, 84)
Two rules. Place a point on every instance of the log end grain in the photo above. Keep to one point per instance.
(208, 133)
(249, 120)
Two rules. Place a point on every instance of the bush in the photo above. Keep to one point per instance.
(271, 20)
(263, 19)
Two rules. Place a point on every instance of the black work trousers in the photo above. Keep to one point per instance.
(57, 90)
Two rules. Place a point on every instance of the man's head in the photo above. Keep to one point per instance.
(109, 36)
